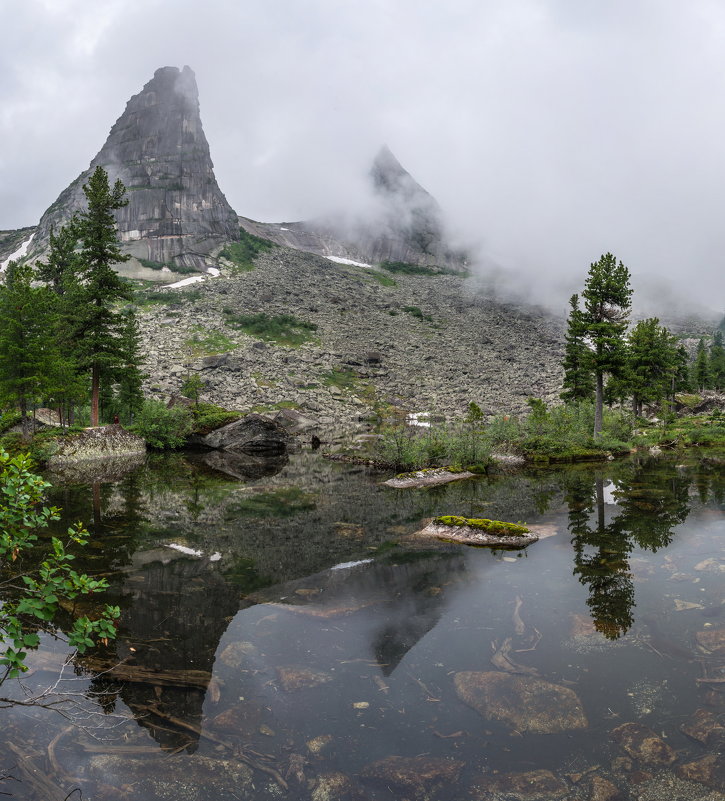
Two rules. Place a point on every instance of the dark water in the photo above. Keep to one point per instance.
(303, 636)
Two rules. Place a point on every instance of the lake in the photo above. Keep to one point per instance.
(282, 637)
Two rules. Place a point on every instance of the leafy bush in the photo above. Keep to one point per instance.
(410, 448)
(285, 329)
(415, 311)
(163, 427)
(243, 253)
(35, 595)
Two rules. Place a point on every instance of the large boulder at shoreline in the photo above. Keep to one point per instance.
(250, 434)
(101, 442)
(525, 703)
(413, 776)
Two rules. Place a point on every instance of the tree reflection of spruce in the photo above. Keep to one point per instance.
(649, 506)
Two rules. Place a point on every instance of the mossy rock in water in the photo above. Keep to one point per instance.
(497, 527)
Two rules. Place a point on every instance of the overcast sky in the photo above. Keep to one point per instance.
(550, 131)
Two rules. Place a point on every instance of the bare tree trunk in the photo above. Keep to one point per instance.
(95, 385)
(599, 490)
(598, 405)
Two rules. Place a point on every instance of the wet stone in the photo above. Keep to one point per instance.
(223, 779)
(237, 654)
(602, 789)
(711, 640)
(243, 718)
(414, 775)
(533, 785)
(318, 744)
(710, 771)
(297, 678)
(643, 744)
(703, 727)
(336, 787)
(525, 703)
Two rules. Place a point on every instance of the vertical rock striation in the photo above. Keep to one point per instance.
(176, 212)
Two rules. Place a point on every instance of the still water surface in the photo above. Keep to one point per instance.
(279, 637)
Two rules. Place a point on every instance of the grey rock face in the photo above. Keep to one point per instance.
(176, 212)
(251, 434)
(403, 224)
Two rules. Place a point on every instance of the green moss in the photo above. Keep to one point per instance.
(496, 527)
(243, 253)
(415, 311)
(285, 329)
(381, 278)
(207, 343)
(208, 417)
(688, 400)
(341, 377)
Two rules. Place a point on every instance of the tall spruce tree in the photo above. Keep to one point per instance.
(578, 378)
(651, 363)
(129, 377)
(28, 353)
(701, 367)
(100, 326)
(717, 361)
(607, 300)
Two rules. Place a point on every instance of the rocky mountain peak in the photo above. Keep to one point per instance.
(390, 178)
(176, 212)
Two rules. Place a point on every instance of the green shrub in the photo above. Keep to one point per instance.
(381, 278)
(243, 253)
(163, 427)
(415, 311)
(285, 329)
(8, 419)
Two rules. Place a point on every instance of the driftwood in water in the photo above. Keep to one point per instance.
(34, 773)
(137, 674)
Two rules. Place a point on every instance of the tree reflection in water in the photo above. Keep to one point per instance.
(645, 507)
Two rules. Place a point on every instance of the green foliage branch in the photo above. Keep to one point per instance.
(32, 597)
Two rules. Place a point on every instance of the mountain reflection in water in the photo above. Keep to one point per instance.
(259, 666)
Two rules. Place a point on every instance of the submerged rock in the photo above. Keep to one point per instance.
(533, 785)
(295, 678)
(526, 704)
(176, 778)
(641, 743)
(414, 775)
(710, 771)
(336, 787)
(602, 789)
(711, 641)
(703, 727)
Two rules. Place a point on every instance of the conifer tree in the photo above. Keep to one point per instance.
(651, 363)
(701, 367)
(99, 324)
(607, 300)
(27, 349)
(717, 361)
(578, 378)
(61, 270)
(129, 375)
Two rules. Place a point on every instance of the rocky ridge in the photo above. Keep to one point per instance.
(423, 344)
